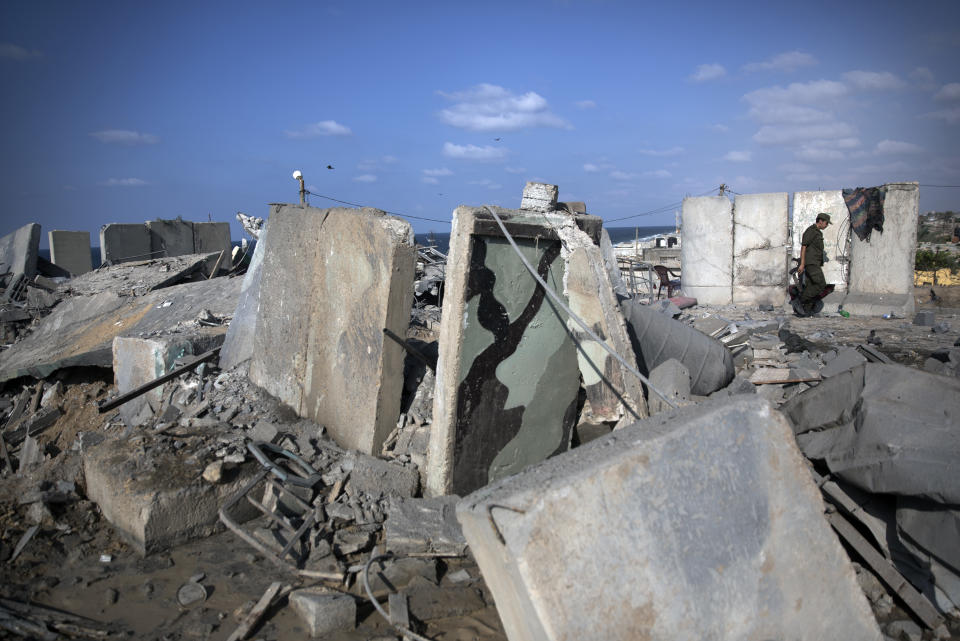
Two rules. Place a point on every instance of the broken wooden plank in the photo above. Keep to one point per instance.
(916, 602)
(216, 266)
(276, 590)
(772, 375)
(23, 542)
(157, 382)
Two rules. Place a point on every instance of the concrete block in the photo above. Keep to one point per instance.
(19, 249)
(869, 304)
(213, 237)
(845, 359)
(830, 403)
(707, 513)
(539, 197)
(140, 360)
(613, 392)
(707, 250)
(159, 505)
(124, 242)
(760, 249)
(71, 250)
(673, 380)
(324, 612)
(424, 527)
(884, 265)
(507, 376)
(925, 318)
(397, 573)
(170, 237)
(806, 206)
(377, 477)
(238, 345)
(332, 280)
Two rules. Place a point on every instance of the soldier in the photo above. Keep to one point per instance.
(811, 262)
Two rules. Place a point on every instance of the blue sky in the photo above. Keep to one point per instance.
(129, 111)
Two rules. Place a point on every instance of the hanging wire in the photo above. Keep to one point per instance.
(658, 210)
(394, 213)
(559, 301)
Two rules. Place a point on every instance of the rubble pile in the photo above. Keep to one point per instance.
(363, 439)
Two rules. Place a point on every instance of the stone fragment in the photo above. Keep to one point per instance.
(377, 477)
(424, 527)
(324, 612)
(904, 630)
(708, 513)
(539, 197)
(30, 454)
(213, 473)
(399, 609)
(396, 574)
(264, 431)
(673, 380)
(846, 359)
(332, 280)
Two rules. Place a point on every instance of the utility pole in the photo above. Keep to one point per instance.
(298, 175)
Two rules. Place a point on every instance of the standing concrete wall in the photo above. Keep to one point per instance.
(171, 237)
(213, 237)
(836, 237)
(71, 250)
(332, 280)
(124, 242)
(760, 249)
(706, 255)
(507, 376)
(699, 523)
(19, 249)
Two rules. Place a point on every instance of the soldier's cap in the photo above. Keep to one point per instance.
(825, 217)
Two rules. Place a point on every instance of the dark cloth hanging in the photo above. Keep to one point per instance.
(865, 205)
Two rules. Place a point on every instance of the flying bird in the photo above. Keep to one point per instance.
(497, 139)
(329, 166)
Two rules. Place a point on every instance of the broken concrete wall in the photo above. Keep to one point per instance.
(707, 513)
(124, 242)
(707, 250)
(760, 249)
(332, 280)
(238, 344)
(18, 251)
(507, 376)
(71, 250)
(213, 237)
(881, 269)
(836, 237)
(170, 237)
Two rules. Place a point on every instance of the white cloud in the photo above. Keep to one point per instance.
(491, 108)
(708, 72)
(585, 104)
(590, 168)
(10, 51)
(473, 152)
(389, 160)
(430, 180)
(950, 116)
(873, 80)
(672, 151)
(365, 178)
(923, 78)
(123, 182)
(897, 147)
(788, 119)
(621, 175)
(125, 137)
(814, 92)
(515, 170)
(788, 61)
(659, 173)
(317, 129)
(438, 172)
(790, 134)
(720, 128)
(486, 182)
(949, 92)
(738, 156)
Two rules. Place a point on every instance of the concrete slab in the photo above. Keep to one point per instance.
(673, 379)
(707, 250)
(137, 361)
(135, 278)
(836, 237)
(761, 247)
(124, 242)
(612, 391)
(707, 513)
(883, 266)
(18, 251)
(158, 504)
(211, 238)
(845, 359)
(829, 404)
(81, 329)
(171, 237)
(71, 250)
(238, 345)
(507, 376)
(332, 280)
(424, 527)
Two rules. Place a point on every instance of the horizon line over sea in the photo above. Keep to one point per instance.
(617, 235)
